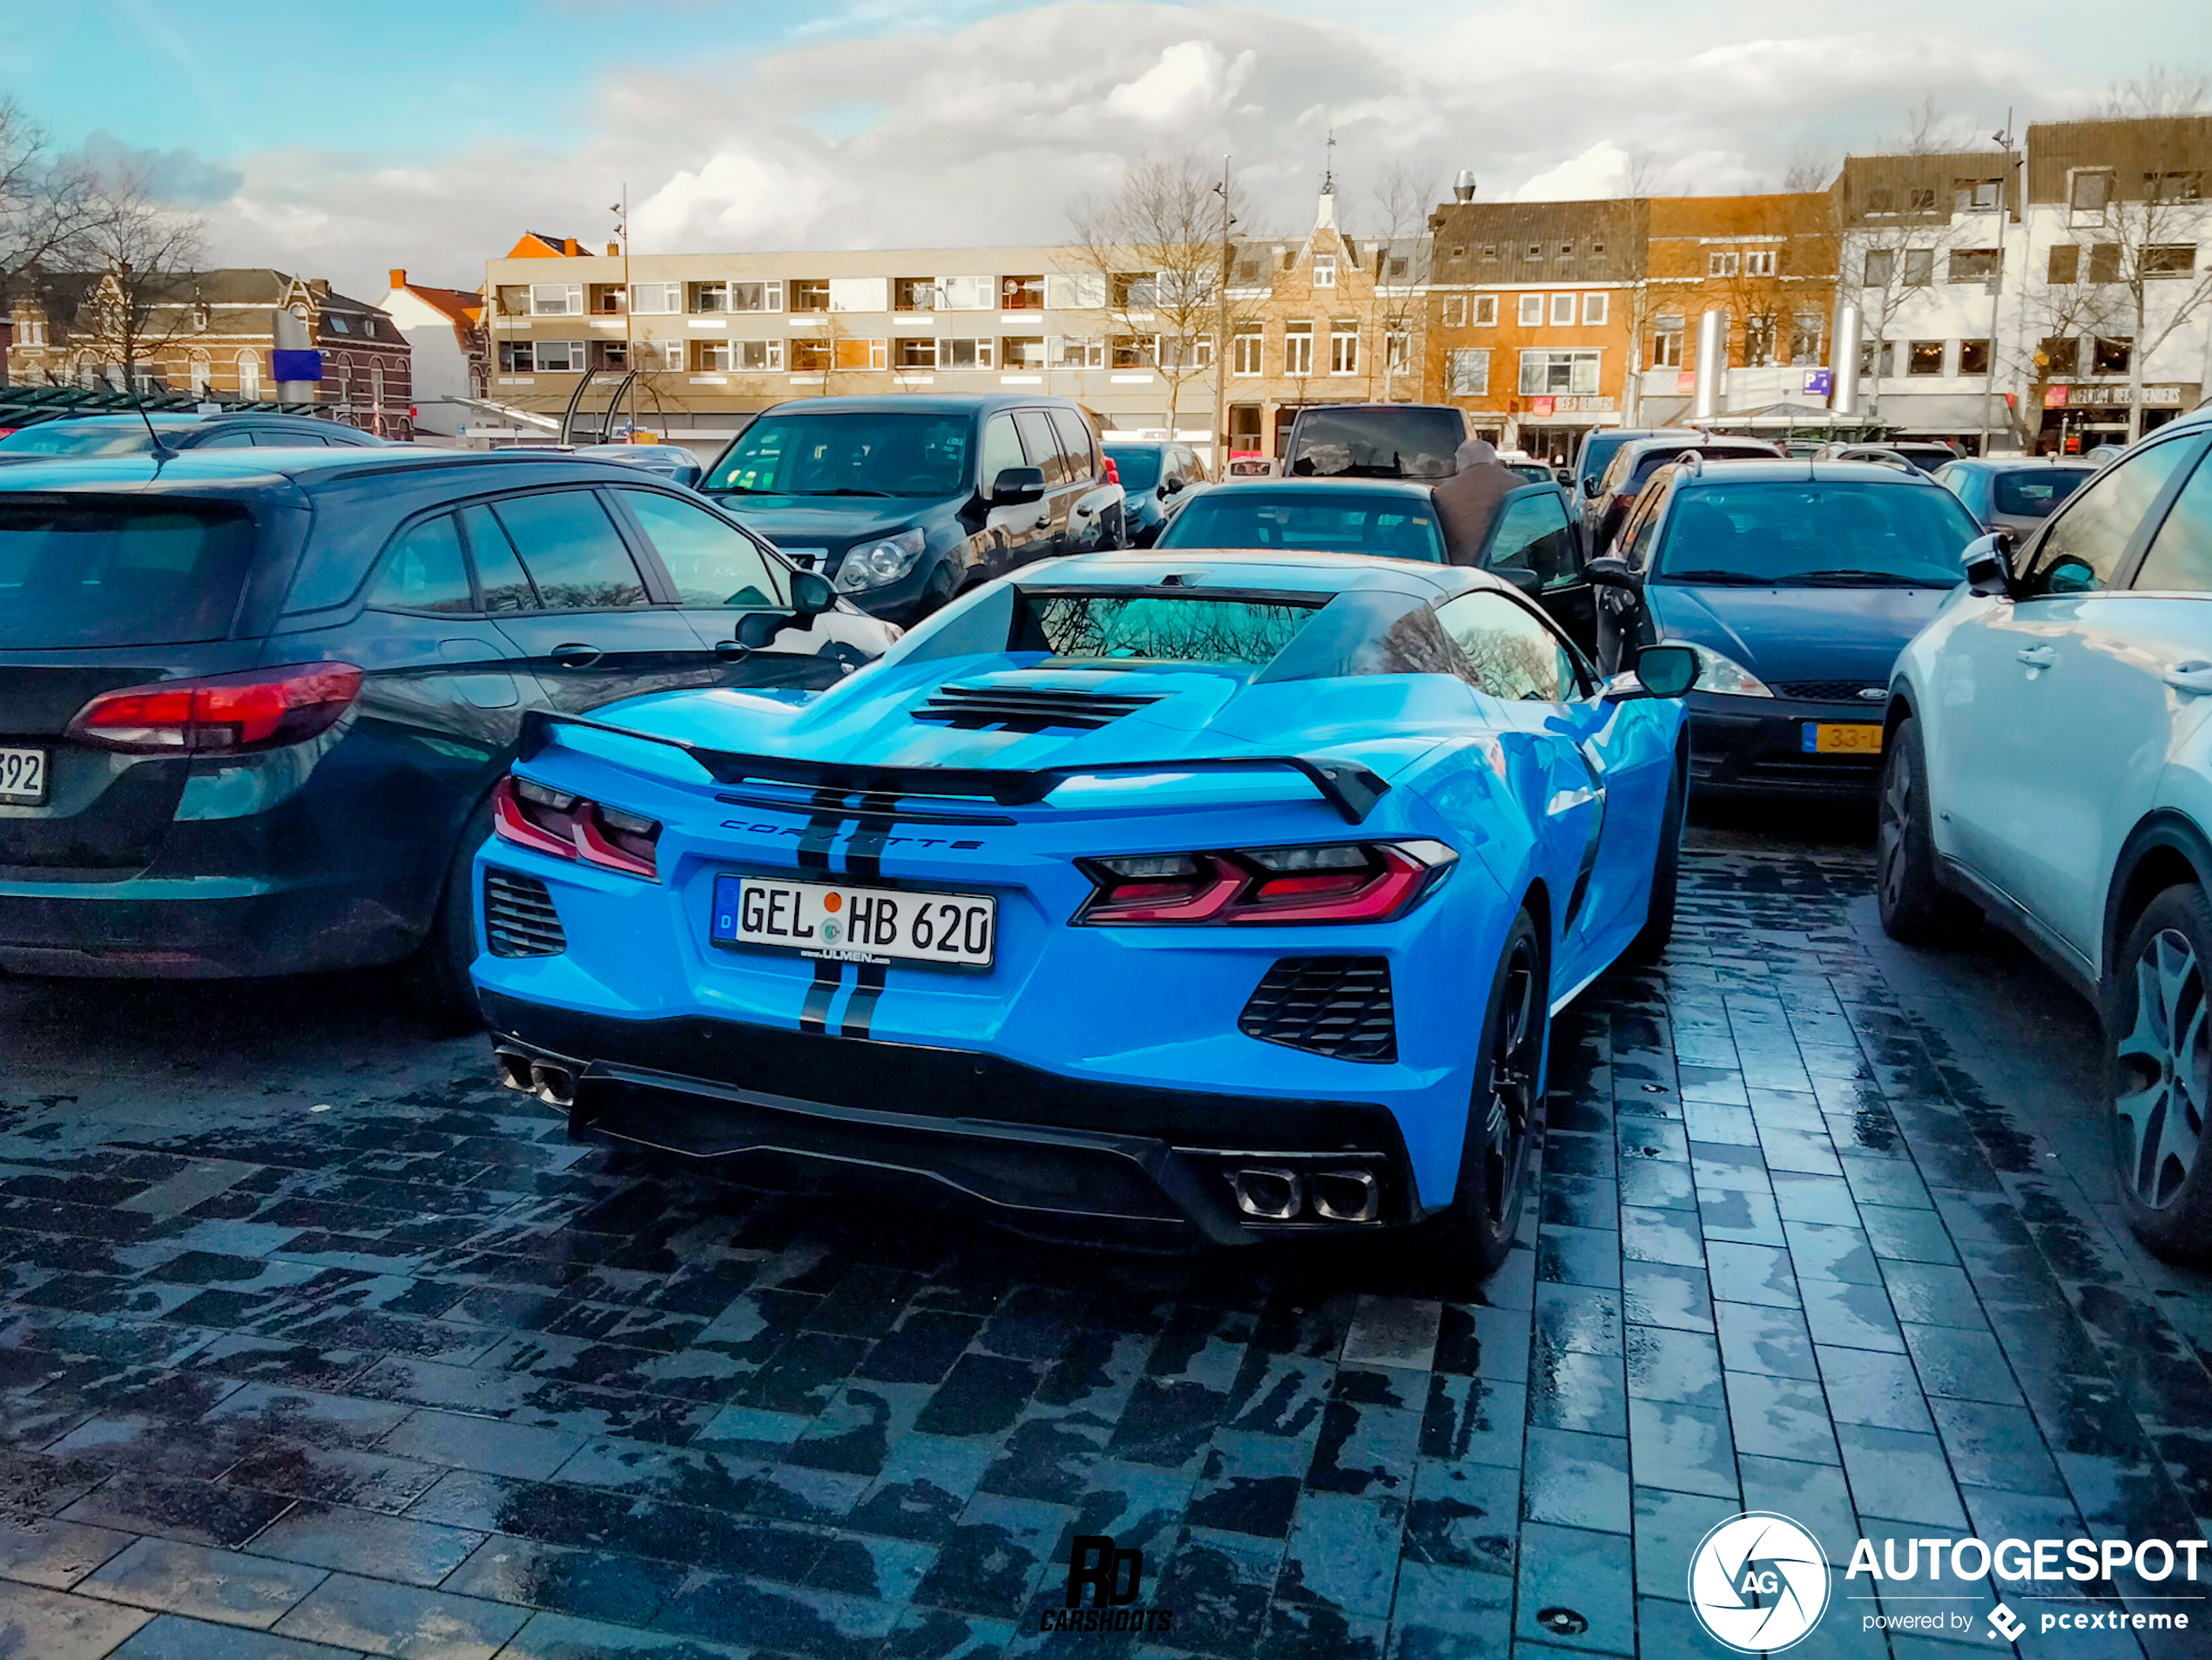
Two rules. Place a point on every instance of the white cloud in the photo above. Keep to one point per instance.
(1190, 77)
(1603, 170)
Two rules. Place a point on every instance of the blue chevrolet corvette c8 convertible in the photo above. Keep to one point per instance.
(1208, 891)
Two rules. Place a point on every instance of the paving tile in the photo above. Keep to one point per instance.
(1575, 1480)
(43, 1551)
(564, 1636)
(1772, 1341)
(1573, 1390)
(1959, 1365)
(1683, 1366)
(1896, 1473)
(168, 1636)
(1464, 1515)
(1869, 1387)
(1670, 1525)
(1343, 1553)
(1684, 1448)
(384, 1546)
(1780, 1418)
(402, 1620)
(1440, 1611)
(1996, 1447)
(1747, 1273)
(68, 1627)
(1577, 1592)
(1814, 1495)
(486, 1444)
(1854, 1317)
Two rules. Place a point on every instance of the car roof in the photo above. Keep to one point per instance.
(175, 421)
(928, 403)
(266, 469)
(2023, 464)
(1322, 482)
(1247, 568)
(1794, 470)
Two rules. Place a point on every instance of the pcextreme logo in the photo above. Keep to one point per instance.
(1759, 1582)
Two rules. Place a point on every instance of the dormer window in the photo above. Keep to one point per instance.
(1324, 270)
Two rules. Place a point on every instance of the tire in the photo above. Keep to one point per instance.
(1472, 1240)
(2158, 1054)
(1658, 929)
(1916, 907)
(437, 974)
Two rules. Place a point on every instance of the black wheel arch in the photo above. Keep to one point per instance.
(2166, 850)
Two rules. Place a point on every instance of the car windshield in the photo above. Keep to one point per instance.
(77, 438)
(848, 452)
(1140, 469)
(1815, 534)
(1652, 460)
(2032, 494)
(1600, 451)
(1530, 472)
(1378, 443)
(119, 573)
(1120, 630)
(1320, 519)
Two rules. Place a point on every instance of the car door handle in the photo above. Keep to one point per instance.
(2037, 656)
(576, 655)
(2194, 678)
(733, 651)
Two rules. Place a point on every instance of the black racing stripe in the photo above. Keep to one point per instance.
(821, 830)
(813, 1015)
(863, 853)
(860, 1009)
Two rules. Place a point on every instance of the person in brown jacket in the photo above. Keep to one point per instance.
(1468, 501)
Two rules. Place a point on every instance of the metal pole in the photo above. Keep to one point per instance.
(1997, 283)
(1222, 344)
(1712, 365)
(1843, 390)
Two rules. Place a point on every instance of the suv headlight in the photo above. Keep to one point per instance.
(1723, 674)
(874, 565)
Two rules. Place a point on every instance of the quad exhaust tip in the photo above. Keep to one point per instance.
(1269, 1193)
(549, 1081)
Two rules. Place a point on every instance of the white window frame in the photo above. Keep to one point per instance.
(770, 352)
(1542, 359)
(879, 352)
(1562, 311)
(1398, 351)
(656, 299)
(1076, 353)
(1013, 352)
(557, 300)
(1297, 349)
(1722, 263)
(1532, 311)
(769, 297)
(1343, 346)
(1077, 291)
(1595, 309)
(982, 351)
(710, 356)
(1248, 352)
(1759, 262)
(1467, 372)
(1486, 310)
(574, 351)
(698, 295)
(1456, 311)
(1324, 270)
(967, 293)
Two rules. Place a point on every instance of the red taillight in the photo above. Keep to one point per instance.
(553, 821)
(222, 713)
(1113, 472)
(1341, 882)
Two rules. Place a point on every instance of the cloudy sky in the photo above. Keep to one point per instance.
(342, 139)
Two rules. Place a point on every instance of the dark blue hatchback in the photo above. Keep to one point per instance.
(253, 703)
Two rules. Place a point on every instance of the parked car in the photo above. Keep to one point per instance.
(253, 704)
(1152, 475)
(2015, 495)
(2050, 760)
(1902, 452)
(903, 501)
(1797, 583)
(1208, 970)
(1375, 441)
(1391, 517)
(2105, 455)
(1631, 468)
(128, 434)
(1595, 452)
(673, 462)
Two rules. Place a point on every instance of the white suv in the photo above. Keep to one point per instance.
(2048, 757)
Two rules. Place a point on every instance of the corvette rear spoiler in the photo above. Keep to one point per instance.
(1349, 787)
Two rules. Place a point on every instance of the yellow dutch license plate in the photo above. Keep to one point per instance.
(1842, 738)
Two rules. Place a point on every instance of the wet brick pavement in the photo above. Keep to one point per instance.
(312, 1343)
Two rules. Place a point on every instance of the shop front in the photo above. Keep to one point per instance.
(2078, 416)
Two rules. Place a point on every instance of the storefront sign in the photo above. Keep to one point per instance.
(1541, 406)
(1686, 382)
(2065, 394)
(1585, 405)
(2057, 397)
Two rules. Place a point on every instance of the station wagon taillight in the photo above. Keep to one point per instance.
(1352, 881)
(219, 714)
(547, 820)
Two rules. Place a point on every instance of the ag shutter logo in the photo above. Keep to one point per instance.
(1096, 1563)
(1758, 1582)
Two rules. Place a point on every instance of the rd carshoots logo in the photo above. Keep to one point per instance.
(1760, 1583)
(1113, 1576)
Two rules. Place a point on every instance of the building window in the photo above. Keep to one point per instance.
(1399, 265)
(2066, 264)
(809, 293)
(1247, 271)
(1083, 354)
(710, 356)
(31, 331)
(1880, 269)
(1245, 351)
(757, 356)
(1554, 374)
(1974, 357)
(1595, 308)
(1456, 311)
(518, 357)
(1758, 342)
(2178, 260)
(852, 353)
(1974, 195)
(1344, 348)
(1805, 330)
(2104, 262)
(809, 356)
(1398, 348)
(1922, 201)
(1562, 311)
(1486, 310)
(709, 297)
(1021, 294)
(1919, 267)
(1723, 265)
(2112, 356)
(967, 293)
(1532, 311)
(1868, 366)
(1567, 250)
(913, 293)
(1759, 263)
(656, 299)
(375, 385)
(2172, 187)
(1535, 250)
(1134, 351)
(337, 326)
(1324, 270)
(1489, 250)
(611, 355)
(560, 356)
(2087, 195)
(2059, 357)
(1297, 349)
(1881, 200)
(1974, 264)
(557, 300)
(1468, 369)
(1667, 343)
(655, 356)
(967, 353)
(201, 373)
(1136, 290)
(1022, 352)
(1924, 357)
(914, 352)
(756, 296)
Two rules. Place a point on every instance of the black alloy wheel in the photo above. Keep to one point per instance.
(2158, 1052)
(1477, 1232)
(1652, 940)
(1916, 907)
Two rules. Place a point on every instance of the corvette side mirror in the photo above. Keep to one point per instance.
(1988, 565)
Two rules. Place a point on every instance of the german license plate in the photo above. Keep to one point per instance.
(23, 776)
(1842, 738)
(855, 924)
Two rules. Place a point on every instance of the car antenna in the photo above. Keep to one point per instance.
(162, 453)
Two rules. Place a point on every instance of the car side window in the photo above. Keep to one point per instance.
(500, 577)
(226, 440)
(1074, 444)
(2089, 537)
(424, 572)
(1532, 536)
(712, 562)
(2180, 560)
(1001, 449)
(1044, 445)
(572, 550)
(1636, 546)
(1510, 653)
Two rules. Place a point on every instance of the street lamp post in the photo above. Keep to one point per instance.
(1997, 281)
(1221, 341)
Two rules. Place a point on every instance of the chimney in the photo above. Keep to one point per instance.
(1325, 216)
(1463, 186)
(399, 276)
(568, 244)
(614, 250)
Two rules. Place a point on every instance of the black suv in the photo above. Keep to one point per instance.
(253, 703)
(901, 502)
(1375, 441)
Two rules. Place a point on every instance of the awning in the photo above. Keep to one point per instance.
(1938, 412)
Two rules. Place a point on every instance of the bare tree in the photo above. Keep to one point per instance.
(1808, 170)
(2156, 91)
(1151, 258)
(146, 251)
(44, 200)
(1393, 270)
(2148, 248)
(2061, 313)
